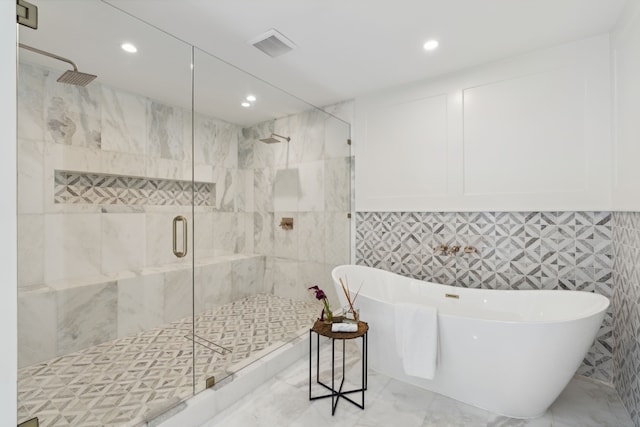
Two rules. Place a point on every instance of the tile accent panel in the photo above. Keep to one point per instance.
(626, 303)
(515, 250)
(104, 189)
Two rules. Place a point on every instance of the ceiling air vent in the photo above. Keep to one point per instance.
(273, 43)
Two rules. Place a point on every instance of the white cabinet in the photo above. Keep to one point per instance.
(528, 133)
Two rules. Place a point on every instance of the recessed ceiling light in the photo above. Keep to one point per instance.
(246, 104)
(128, 47)
(430, 44)
(251, 98)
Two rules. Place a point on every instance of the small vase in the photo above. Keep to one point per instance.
(328, 317)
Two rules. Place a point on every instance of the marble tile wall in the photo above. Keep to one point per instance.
(95, 263)
(515, 250)
(626, 303)
(307, 179)
(101, 132)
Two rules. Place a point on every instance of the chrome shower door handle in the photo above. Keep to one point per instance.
(183, 252)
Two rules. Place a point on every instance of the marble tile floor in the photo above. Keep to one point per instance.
(129, 380)
(283, 401)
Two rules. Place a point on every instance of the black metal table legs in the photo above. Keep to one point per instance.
(339, 393)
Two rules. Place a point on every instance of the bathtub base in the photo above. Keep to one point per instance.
(508, 352)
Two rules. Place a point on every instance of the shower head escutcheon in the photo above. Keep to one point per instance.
(72, 77)
(272, 139)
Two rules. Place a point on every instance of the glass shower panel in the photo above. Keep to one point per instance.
(105, 321)
(273, 160)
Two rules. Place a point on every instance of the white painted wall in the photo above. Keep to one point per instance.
(8, 262)
(625, 45)
(528, 133)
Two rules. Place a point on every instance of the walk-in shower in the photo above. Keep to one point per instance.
(113, 328)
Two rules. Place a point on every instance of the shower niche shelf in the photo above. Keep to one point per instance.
(73, 187)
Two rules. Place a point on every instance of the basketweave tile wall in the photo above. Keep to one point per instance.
(626, 303)
(515, 250)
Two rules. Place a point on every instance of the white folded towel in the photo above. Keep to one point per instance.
(416, 328)
(344, 327)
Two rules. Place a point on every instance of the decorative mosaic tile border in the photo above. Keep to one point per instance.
(93, 188)
(515, 250)
(626, 303)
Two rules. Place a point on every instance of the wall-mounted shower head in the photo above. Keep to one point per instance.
(272, 139)
(75, 77)
(72, 77)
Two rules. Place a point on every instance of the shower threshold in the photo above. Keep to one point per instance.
(127, 381)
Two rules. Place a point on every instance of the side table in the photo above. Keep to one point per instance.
(321, 328)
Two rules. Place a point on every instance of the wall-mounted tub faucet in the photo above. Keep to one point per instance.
(453, 250)
(286, 223)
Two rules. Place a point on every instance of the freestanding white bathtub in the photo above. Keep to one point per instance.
(507, 351)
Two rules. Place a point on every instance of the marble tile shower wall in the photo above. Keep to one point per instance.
(307, 179)
(101, 130)
(626, 303)
(91, 272)
(515, 250)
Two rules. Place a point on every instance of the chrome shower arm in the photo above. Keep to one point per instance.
(50, 55)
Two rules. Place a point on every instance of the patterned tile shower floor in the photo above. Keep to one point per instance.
(128, 380)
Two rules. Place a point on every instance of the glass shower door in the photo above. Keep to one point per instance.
(105, 324)
(273, 161)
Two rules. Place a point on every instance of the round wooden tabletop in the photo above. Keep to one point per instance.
(324, 329)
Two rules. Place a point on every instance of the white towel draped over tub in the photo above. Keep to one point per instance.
(416, 328)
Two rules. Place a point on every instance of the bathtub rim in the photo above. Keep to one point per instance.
(600, 306)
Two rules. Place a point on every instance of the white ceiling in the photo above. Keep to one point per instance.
(345, 48)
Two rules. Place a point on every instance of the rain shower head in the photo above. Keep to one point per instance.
(76, 77)
(272, 139)
(73, 77)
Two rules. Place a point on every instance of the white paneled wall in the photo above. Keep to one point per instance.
(410, 139)
(528, 133)
(626, 64)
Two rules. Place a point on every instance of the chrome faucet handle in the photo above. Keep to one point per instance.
(454, 250)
